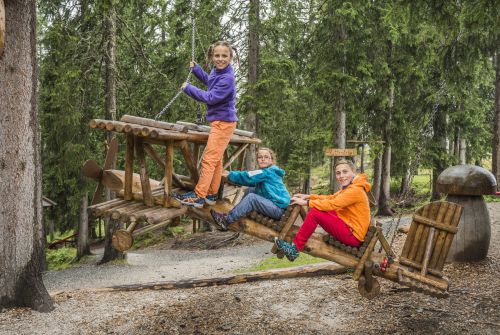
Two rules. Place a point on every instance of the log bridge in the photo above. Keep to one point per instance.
(144, 205)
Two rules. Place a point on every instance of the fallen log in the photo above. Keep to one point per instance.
(314, 270)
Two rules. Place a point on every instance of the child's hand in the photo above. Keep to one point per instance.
(298, 201)
(184, 85)
(192, 64)
(301, 196)
(225, 173)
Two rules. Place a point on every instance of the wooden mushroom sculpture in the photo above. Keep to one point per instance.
(466, 185)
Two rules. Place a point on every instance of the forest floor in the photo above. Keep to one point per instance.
(319, 305)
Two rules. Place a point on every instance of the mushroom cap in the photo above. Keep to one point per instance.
(466, 180)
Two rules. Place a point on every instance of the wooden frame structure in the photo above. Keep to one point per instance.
(143, 200)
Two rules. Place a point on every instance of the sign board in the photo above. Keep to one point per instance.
(335, 152)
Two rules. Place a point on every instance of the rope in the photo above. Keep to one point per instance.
(193, 35)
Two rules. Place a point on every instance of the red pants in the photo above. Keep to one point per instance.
(330, 222)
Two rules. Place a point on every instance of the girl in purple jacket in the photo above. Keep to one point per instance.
(221, 113)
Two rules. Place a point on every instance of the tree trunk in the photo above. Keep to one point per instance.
(440, 147)
(83, 247)
(463, 151)
(339, 139)
(20, 168)
(405, 183)
(251, 119)
(111, 253)
(496, 125)
(377, 176)
(385, 184)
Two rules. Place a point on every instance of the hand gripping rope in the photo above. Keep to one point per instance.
(193, 30)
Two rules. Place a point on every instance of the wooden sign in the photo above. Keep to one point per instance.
(2, 27)
(335, 152)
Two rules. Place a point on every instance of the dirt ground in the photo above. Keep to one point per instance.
(321, 305)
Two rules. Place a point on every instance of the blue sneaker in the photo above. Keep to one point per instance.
(220, 219)
(289, 249)
(180, 196)
(211, 199)
(194, 202)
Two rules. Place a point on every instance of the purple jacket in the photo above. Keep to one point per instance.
(221, 94)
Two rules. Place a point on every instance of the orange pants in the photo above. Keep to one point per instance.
(211, 162)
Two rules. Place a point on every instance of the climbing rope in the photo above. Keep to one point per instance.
(193, 36)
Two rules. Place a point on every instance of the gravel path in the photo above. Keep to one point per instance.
(157, 265)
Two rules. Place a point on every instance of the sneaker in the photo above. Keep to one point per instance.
(289, 249)
(180, 196)
(220, 219)
(194, 201)
(211, 199)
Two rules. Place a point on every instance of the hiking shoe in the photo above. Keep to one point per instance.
(180, 197)
(220, 219)
(193, 201)
(211, 199)
(289, 249)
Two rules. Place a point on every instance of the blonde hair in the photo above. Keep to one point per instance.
(271, 152)
(210, 51)
(346, 162)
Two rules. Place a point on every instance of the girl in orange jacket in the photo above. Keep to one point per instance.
(345, 215)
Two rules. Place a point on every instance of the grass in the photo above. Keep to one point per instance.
(58, 259)
(276, 263)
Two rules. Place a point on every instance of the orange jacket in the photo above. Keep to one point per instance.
(351, 205)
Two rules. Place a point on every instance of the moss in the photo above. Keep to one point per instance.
(276, 263)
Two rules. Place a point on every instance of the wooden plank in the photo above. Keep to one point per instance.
(440, 283)
(449, 238)
(129, 167)
(433, 212)
(235, 155)
(146, 187)
(166, 214)
(154, 123)
(169, 171)
(428, 249)
(190, 161)
(366, 256)
(340, 152)
(414, 239)
(207, 129)
(441, 235)
(435, 224)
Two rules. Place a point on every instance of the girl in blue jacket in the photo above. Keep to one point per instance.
(267, 193)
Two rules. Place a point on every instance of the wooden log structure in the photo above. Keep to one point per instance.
(149, 203)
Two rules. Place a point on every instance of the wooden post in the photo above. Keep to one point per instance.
(169, 168)
(234, 155)
(129, 167)
(190, 161)
(366, 256)
(83, 230)
(146, 187)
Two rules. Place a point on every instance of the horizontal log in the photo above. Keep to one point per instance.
(207, 129)
(151, 228)
(440, 283)
(166, 135)
(115, 181)
(166, 214)
(314, 270)
(154, 123)
(435, 224)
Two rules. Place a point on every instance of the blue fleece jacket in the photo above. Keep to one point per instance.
(220, 96)
(268, 183)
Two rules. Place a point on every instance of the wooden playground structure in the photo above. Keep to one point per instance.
(144, 205)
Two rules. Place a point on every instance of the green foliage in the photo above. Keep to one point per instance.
(58, 259)
(316, 57)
